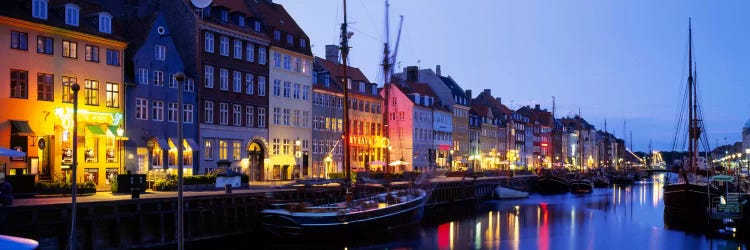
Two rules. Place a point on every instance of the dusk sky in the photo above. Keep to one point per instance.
(619, 61)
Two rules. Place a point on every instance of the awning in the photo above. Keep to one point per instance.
(193, 146)
(94, 129)
(21, 128)
(112, 130)
(162, 143)
(172, 142)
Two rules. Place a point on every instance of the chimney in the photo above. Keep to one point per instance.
(500, 100)
(468, 94)
(437, 70)
(332, 53)
(536, 107)
(412, 73)
(487, 92)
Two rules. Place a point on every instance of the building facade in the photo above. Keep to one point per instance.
(327, 122)
(49, 47)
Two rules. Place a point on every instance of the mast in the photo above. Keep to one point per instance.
(386, 87)
(691, 119)
(345, 134)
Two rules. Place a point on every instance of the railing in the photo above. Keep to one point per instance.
(726, 207)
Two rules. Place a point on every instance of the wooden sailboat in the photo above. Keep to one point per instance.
(690, 195)
(379, 212)
(580, 183)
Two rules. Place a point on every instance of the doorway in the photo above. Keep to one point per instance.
(255, 158)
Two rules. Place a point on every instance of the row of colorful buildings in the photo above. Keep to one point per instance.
(254, 98)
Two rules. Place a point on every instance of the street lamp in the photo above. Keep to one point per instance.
(451, 160)
(180, 77)
(298, 154)
(72, 243)
(120, 132)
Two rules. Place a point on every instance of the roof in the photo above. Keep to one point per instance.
(337, 73)
(275, 16)
(235, 6)
(456, 90)
(138, 30)
(21, 9)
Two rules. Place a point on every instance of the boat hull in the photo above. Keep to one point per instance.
(552, 185)
(683, 196)
(282, 222)
(581, 186)
(502, 192)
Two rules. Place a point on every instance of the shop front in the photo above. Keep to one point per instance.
(369, 152)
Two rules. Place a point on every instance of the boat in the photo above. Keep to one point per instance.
(623, 178)
(579, 183)
(600, 181)
(378, 212)
(506, 192)
(14, 242)
(691, 193)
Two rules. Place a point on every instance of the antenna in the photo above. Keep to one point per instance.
(201, 3)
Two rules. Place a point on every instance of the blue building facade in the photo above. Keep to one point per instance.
(152, 101)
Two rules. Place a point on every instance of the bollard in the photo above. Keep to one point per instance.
(228, 188)
(135, 193)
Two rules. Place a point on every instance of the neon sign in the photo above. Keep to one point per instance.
(66, 117)
(373, 141)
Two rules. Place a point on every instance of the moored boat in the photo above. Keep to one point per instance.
(551, 184)
(506, 192)
(580, 185)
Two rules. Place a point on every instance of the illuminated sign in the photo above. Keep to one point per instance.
(66, 117)
(372, 141)
(544, 144)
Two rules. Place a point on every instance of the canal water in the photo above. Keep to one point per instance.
(618, 217)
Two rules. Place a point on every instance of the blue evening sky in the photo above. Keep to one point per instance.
(620, 61)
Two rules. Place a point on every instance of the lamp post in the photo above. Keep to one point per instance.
(72, 241)
(297, 155)
(120, 132)
(180, 77)
(747, 159)
(451, 160)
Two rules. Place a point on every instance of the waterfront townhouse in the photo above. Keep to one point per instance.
(152, 62)
(50, 46)
(488, 154)
(327, 120)
(475, 128)
(290, 104)
(502, 115)
(582, 152)
(443, 88)
(522, 153)
(225, 48)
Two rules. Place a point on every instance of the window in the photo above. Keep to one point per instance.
(285, 147)
(208, 42)
(223, 113)
(250, 52)
(160, 52)
(45, 45)
(224, 46)
(287, 114)
(275, 146)
(113, 57)
(143, 76)
(262, 55)
(237, 115)
(236, 148)
(276, 116)
(305, 92)
(241, 21)
(261, 117)
(276, 59)
(208, 150)
(187, 113)
(276, 87)
(158, 78)
(39, 9)
(237, 82)
(173, 81)
(223, 79)
(224, 15)
(249, 84)
(237, 49)
(287, 62)
(71, 14)
(261, 85)
(69, 49)
(92, 92)
(105, 23)
(172, 112)
(45, 86)
(306, 119)
(67, 93)
(189, 86)
(287, 87)
(297, 64)
(113, 95)
(361, 87)
(141, 109)
(209, 74)
(295, 91)
(296, 118)
(157, 113)
(276, 35)
(289, 40)
(302, 43)
(92, 53)
(19, 40)
(257, 26)
(249, 116)
(208, 112)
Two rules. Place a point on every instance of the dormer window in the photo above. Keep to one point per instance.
(39, 9)
(105, 23)
(302, 43)
(362, 87)
(276, 35)
(289, 40)
(257, 26)
(241, 21)
(224, 15)
(71, 14)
